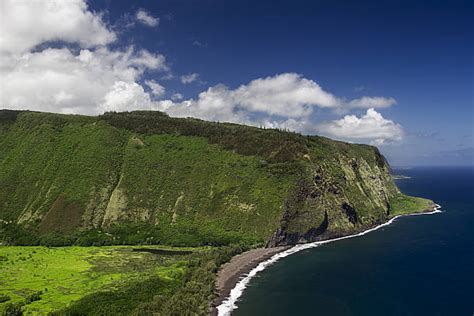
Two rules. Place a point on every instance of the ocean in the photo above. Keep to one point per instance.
(417, 265)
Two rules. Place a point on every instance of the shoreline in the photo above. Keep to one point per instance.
(232, 272)
(233, 276)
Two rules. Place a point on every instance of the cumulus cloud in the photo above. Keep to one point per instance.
(287, 95)
(149, 60)
(372, 102)
(190, 78)
(146, 18)
(176, 96)
(26, 24)
(58, 80)
(372, 127)
(156, 88)
(125, 96)
(214, 104)
(62, 79)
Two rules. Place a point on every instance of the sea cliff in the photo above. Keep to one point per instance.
(147, 178)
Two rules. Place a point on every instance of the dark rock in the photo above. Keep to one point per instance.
(350, 212)
(388, 207)
(316, 231)
(354, 165)
(334, 189)
(314, 194)
(283, 238)
(317, 178)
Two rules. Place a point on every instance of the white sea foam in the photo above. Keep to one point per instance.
(230, 303)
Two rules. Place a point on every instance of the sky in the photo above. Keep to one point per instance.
(395, 74)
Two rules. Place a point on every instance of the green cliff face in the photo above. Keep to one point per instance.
(143, 177)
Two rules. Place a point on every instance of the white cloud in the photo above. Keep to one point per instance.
(177, 96)
(302, 125)
(199, 44)
(213, 104)
(372, 102)
(146, 18)
(150, 60)
(167, 76)
(61, 79)
(58, 80)
(371, 127)
(126, 96)
(156, 88)
(186, 79)
(286, 95)
(25, 24)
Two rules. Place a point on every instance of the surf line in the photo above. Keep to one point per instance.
(230, 303)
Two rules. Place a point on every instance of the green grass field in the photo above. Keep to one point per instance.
(404, 204)
(66, 274)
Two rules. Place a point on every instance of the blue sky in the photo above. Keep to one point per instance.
(419, 54)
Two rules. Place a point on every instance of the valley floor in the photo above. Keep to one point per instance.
(40, 280)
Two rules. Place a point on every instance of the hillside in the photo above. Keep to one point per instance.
(147, 178)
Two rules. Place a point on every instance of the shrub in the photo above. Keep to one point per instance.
(4, 298)
(13, 309)
(35, 296)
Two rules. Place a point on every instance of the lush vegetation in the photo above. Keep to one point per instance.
(190, 296)
(73, 180)
(189, 180)
(405, 204)
(271, 144)
(108, 280)
(141, 233)
(52, 163)
(45, 279)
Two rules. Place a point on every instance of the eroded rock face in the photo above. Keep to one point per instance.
(344, 195)
(350, 212)
(116, 206)
(312, 233)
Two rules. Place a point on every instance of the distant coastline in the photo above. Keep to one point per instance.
(399, 177)
(234, 276)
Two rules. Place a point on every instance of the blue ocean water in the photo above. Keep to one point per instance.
(419, 265)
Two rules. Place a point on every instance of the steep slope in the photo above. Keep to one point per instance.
(144, 177)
